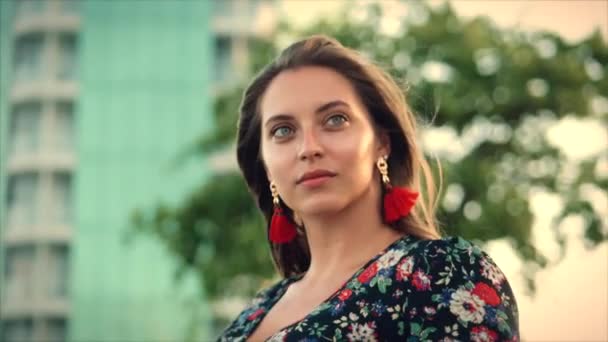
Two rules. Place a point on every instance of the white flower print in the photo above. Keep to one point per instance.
(390, 259)
(505, 299)
(405, 268)
(447, 339)
(278, 337)
(395, 311)
(491, 272)
(301, 326)
(467, 307)
(256, 301)
(452, 330)
(342, 322)
(446, 276)
(362, 332)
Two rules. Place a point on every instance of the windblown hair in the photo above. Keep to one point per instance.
(389, 112)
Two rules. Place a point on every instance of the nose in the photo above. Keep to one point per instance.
(310, 147)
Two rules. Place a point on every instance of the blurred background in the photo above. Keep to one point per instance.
(123, 215)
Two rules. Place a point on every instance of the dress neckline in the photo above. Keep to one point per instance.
(288, 281)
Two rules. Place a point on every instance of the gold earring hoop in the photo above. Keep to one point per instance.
(383, 168)
(275, 194)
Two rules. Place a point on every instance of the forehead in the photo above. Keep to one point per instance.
(304, 89)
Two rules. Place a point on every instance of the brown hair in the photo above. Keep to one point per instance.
(390, 113)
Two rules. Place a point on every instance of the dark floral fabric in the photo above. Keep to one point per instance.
(414, 290)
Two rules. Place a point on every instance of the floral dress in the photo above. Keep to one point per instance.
(414, 290)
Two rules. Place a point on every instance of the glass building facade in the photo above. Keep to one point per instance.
(97, 98)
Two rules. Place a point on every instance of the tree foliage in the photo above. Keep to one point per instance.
(494, 90)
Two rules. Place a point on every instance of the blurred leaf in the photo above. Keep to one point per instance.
(496, 77)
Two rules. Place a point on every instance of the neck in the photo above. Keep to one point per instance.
(342, 242)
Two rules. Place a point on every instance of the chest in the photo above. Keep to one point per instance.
(289, 310)
(335, 320)
(348, 315)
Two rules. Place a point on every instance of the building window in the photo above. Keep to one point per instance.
(58, 272)
(69, 6)
(64, 127)
(17, 330)
(56, 329)
(222, 59)
(28, 57)
(67, 57)
(27, 7)
(25, 128)
(61, 210)
(19, 274)
(22, 199)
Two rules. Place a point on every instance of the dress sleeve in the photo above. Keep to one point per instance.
(457, 294)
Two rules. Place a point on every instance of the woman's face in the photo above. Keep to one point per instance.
(318, 142)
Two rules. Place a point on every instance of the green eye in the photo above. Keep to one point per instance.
(281, 132)
(336, 120)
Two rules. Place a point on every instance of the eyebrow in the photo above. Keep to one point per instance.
(320, 109)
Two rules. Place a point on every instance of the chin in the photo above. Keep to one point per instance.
(318, 205)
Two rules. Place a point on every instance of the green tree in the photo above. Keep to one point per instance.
(497, 90)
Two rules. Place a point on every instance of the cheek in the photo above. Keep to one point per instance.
(278, 164)
(356, 153)
(268, 156)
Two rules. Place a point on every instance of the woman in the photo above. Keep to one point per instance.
(327, 145)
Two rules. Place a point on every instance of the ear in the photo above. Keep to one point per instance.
(384, 144)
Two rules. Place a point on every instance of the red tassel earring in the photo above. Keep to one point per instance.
(282, 230)
(398, 202)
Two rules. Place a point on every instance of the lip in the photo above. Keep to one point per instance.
(315, 177)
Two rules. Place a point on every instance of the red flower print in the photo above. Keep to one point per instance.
(404, 269)
(486, 293)
(368, 274)
(255, 314)
(483, 334)
(429, 310)
(421, 281)
(345, 294)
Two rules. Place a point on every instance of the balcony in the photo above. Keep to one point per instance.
(15, 309)
(36, 90)
(47, 20)
(41, 161)
(21, 234)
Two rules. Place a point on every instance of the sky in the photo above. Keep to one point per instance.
(571, 303)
